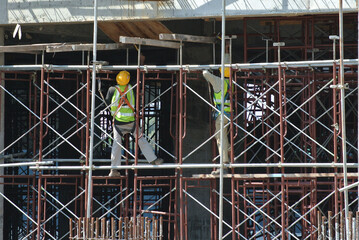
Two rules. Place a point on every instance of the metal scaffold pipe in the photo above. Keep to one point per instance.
(5, 165)
(188, 166)
(220, 225)
(358, 100)
(94, 59)
(270, 65)
(342, 116)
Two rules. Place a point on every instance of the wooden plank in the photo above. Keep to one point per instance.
(92, 228)
(143, 29)
(187, 38)
(85, 47)
(113, 230)
(31, 48)
(97, 234)
(71, 231)
(149, 42)
(79, 228)
(120, 228)
(161, 228)
(126, 228)
(148, 230)
(154, 28)
(103, 227)
(59, 47)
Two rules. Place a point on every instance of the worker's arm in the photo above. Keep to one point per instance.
(109, 95)
(213, 80)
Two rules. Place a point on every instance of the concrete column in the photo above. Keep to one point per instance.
(3, 14)
(2, 136)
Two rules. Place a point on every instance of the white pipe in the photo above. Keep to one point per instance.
(220, 210)
(358, 104)
(92, 121)
(342, 115)
(271, 65)
(189, 165)
(25, 164)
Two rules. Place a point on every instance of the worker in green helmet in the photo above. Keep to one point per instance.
(122, 102)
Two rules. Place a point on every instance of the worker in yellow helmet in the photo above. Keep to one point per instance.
(217, 100)
(122, 103)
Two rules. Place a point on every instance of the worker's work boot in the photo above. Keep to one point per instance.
(218, 171)
(114, 173)
(157, 161)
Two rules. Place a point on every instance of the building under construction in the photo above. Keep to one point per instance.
(293, 126)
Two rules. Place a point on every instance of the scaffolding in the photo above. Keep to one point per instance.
(293, 149)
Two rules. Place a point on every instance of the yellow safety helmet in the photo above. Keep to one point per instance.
(123, 78)
(226, 71)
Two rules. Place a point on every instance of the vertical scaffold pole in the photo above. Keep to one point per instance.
(92, 124)
(220, 225)
(2, 127)
(342, 115)
(180, 141)
(358, 101)
(39, 208)
(281, 129)
(139, 93)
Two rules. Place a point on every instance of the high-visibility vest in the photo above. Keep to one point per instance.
(217, 99)
(122, 108)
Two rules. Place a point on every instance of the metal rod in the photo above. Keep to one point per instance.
(188, 166)
(5, 165)
(92, 123)
(342, 116)
(270, 65)
(223, 151)
(41, 118)
(358, 116)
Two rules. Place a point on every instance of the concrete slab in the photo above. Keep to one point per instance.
(59, 11)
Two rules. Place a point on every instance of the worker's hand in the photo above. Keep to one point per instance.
(206, 72)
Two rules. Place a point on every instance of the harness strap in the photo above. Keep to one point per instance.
(123, 98)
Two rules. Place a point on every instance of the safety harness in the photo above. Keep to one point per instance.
(123, 98)
(123, 101)
(226, 101)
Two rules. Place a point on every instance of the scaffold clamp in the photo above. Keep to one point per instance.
(340, 86)
(335, 126)
(37, 166)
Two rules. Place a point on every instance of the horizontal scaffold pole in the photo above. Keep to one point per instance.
(235, 66)
(183, 166)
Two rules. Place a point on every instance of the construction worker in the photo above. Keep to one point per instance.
(122, 103)
(217, 100)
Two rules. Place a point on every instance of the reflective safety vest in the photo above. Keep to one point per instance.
(122, 104)
(217, 99)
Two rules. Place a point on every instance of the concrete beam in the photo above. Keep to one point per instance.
(31, 48)
(59, 11)
(4, 12)
(149, 42)
(187, 38)
(85, 47)
(58, 47)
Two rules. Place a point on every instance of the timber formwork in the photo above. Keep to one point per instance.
(285, 148)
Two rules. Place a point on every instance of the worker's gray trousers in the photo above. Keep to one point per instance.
(116, 153)
(225, 137)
